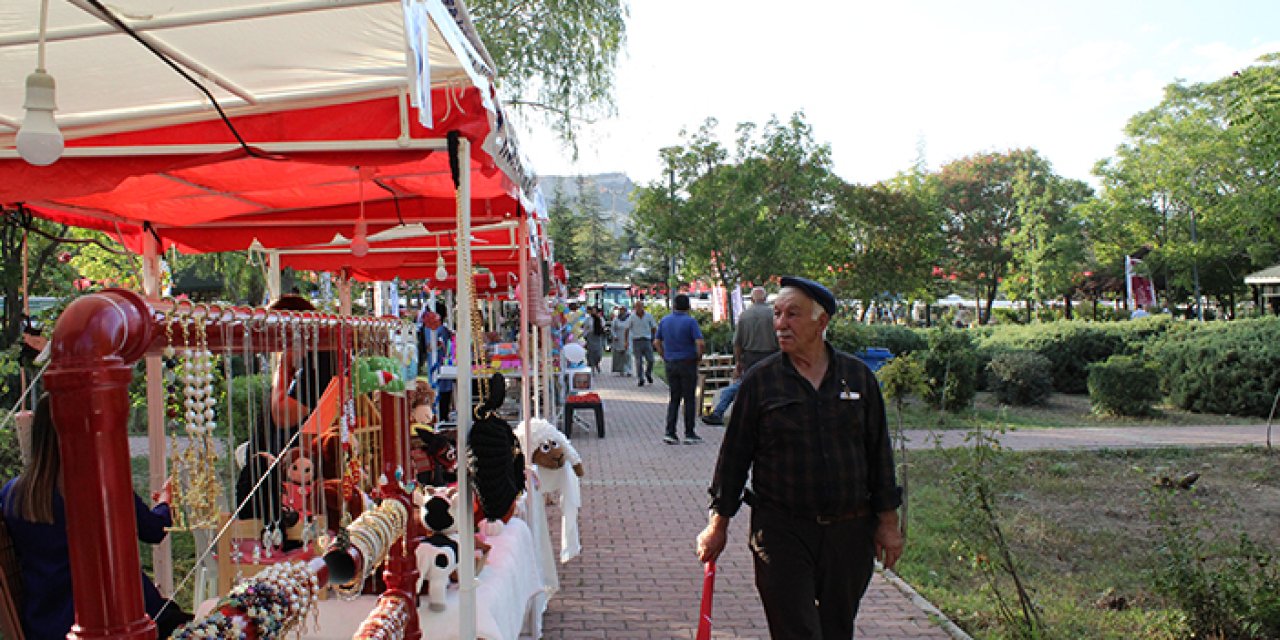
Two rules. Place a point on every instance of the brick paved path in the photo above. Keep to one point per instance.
(644, 502)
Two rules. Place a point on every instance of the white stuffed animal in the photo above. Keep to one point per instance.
(437, 554)
(559, 466)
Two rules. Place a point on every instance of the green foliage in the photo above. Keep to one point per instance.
(248, 400)
(1223, 367)
(877, 241)
(897, 339)
(1020, 378)
(717, 335)
(557, 57)
(1229, 586)
(1070, 347)
(1123, 385)
(903, 377)
(975, 473)
(952, 366)
(752, 206)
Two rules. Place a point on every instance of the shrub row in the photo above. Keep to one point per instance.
(1229, 368)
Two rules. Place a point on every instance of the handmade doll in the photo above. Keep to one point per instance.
(299, 483)
(434, 457)
(558, 466)
(495, 460)
(437, 553)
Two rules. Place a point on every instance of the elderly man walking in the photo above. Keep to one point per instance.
(809, 429)
(641, 329)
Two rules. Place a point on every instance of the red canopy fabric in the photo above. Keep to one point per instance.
(225, 201)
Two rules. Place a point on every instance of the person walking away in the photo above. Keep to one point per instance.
(618, 342)
(809, 428)
(753, 341)
(595, 339)
(641, 329)
(679, 342)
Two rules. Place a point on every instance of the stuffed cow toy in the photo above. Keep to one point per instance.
(437, 554)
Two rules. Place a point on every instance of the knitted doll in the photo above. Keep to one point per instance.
(437, 554)
(495, 459)
(558, 466)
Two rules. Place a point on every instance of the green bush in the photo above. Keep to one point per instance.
(1221, 367)
(1020, 378)
(244, 391)
(1123, 385)
(897, 339)
(1070, 346)
(846, 334)
(952, 366)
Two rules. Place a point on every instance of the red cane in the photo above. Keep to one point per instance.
(708, 590)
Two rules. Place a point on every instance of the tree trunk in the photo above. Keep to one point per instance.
(1066, 299)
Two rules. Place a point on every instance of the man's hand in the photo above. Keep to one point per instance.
(712, 539)
(888, 539)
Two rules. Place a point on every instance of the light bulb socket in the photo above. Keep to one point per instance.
(41, 91)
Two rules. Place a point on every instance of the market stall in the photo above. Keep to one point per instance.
(363, 123)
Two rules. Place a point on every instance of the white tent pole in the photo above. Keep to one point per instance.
(526, 352)
(431, 144)
(379, 299)
(273, 274)
(463, 402)
(549, 404)
(157, 471)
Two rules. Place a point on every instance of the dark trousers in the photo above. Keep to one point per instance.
(682, 381)
(643, 350)
(811, 576)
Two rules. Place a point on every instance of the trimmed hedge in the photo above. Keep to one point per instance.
(1221, 367)
(1020, 378)
(847, 334)
(1123, 385)
(1071, 346)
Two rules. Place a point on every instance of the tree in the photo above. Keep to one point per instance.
(878, 241)
(597, 247)
(563, 224)
(556, 56)
(749, 213)
(979, 204)
(1198, 191)
(1049, 248)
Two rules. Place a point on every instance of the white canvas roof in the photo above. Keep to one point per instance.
(253, 55)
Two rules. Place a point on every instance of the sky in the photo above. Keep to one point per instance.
(883, 82)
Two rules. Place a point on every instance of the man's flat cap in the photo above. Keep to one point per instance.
(817, 292)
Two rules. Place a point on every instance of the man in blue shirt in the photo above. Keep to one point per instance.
(679, 342)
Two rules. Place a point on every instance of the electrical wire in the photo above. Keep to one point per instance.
(111, 17)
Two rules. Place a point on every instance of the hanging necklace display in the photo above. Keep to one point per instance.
(197, 463)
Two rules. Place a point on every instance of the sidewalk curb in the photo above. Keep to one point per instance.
(918, 600)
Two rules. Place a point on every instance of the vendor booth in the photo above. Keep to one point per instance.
(356, 136)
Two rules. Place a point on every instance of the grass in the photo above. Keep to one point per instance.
(1062, 410)
(1078, 524)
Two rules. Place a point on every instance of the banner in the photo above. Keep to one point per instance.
(1140, 288)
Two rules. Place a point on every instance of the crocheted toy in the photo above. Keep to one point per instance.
(437, 554)
(378, 373)
(495, 460)
(558, 466)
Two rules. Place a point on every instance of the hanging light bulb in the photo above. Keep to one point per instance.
(493, 282)
(39, 140)
(442, 273)
(360, 243)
